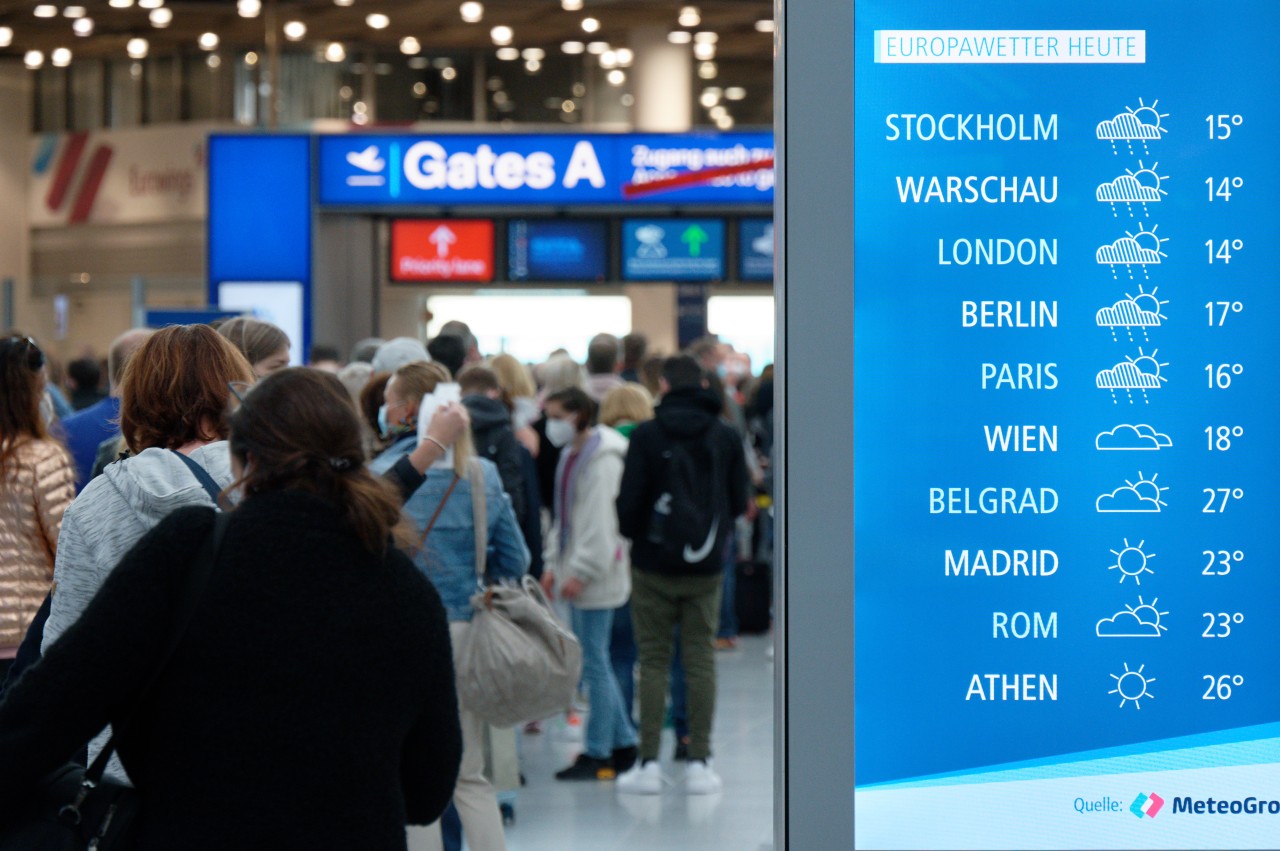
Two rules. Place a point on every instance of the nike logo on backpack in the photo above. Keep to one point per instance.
(694, 556)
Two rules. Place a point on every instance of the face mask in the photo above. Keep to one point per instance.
(561, 432)
(383, 430)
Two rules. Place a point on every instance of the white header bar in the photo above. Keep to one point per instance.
(993, 47)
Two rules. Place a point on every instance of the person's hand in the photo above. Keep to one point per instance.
(572, 589)
(449, 422)
(548, 583)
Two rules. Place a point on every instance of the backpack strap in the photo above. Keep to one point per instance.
(202, 476)
(422, 542)
(479, 516)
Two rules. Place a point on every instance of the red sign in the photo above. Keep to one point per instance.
(442, 250)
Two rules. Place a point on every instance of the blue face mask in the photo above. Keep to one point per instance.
(384, 428)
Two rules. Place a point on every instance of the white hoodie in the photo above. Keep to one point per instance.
(112, 514)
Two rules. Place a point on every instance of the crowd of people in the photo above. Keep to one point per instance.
(340, 505)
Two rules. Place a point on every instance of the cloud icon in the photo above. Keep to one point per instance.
(1127, 189)
(1138, 437)
(1127, 625)
(1127, 126)
(1127, 314)
(1126, 500)
(1127, 250)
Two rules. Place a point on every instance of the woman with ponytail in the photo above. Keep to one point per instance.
(310, 703)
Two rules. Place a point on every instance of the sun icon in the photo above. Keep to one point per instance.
(1132, 561)
(1132, 685)
(1148, 489)
(1147, 301)
(1148, 240)
(1148, 365)
(1148, 115)
(1148, 179)
(1146, 613)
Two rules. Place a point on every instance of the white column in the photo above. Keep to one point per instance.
(15, 160)
(662, 81)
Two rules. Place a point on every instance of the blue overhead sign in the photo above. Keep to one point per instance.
(673, 250)
(365, 170)
(755, 250)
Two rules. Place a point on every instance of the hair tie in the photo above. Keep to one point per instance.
(340, 463)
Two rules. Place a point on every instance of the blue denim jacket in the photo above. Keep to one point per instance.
(449, 557)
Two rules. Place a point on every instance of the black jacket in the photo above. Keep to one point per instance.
(691, 415)
(310, 705)
(495, 440)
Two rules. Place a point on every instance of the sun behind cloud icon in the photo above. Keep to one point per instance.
(1141, 497)
(1143, 248)
(1140, 621)
(1133, 125)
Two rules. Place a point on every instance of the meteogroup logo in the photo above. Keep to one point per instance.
(1146, 805)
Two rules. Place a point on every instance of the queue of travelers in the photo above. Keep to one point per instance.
(332, 519)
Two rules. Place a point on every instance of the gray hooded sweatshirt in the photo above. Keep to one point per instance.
(112, 514)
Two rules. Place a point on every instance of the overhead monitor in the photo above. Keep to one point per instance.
(755, 249)
(673, 249)
(442, 250)
(550, 250)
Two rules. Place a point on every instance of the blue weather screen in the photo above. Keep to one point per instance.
(555, 250)
(1065, 394)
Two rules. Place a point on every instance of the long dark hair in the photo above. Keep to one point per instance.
(297, 430)
(21, 389)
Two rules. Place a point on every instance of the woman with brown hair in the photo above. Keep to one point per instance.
(37, 483)
(310, 702)
(263, 345)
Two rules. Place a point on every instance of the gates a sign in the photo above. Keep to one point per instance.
(437, 250)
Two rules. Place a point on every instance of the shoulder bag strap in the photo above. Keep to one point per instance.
(197, 580)
(202, 476)
(422, 542)
(479, 516)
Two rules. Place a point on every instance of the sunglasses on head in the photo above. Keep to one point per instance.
(24, 346)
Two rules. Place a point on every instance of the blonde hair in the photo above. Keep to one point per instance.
(420, 378)
(628, 402)
(513, 376)
(560, 373)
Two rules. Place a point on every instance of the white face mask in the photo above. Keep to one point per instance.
(561, 432)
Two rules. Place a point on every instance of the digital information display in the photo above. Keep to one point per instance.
(672, 249)
(557, 250)
(755, 250)
(1067, 563)
(441, 250)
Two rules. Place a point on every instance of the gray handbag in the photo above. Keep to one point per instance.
(517, 661)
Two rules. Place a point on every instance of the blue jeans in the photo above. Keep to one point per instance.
(729, 593)
(623, 655)
(609, 724)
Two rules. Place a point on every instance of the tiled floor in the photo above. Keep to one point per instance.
(590, 816)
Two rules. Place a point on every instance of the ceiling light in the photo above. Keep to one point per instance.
(161, 18)
(708, 70)
(378, 21)
(533, 66)
(472, 12)
(410, 46)
(718, 112)
(449, 73)
(150, 4)
(596, 48)
(295, 30)
(335, 52)
(137, 48)
(616, 77)
(689, 17)
(6, 36)
(609, 59)
(765, 26)
(735, 93)
(249, 8)
(625, 57)
(344, 2)
(120, 4)
(502, 35)
(534, 54)
(704, 51)
(214, 61)
(61, 57)
(572, 48)
(419, 63)
(571, 5)
(709, 98)
(705, 38)
(441, 62)
(82, 26)
(590, 25)
(251, 59)
(679, 37)
(508, 54)
(73, 12)
(44, 10)
(419, 89)
(33, 59)
(208, 41)
(725, 122)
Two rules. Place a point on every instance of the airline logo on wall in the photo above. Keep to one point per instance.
(552, 168)
(138, 176)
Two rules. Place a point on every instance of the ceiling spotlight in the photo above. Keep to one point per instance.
(625, 57)
(534, 54)
(704, 51)
(33, 59)
(572, 48)
(508, 54)
(718, 112)
(208, 41)
(616, 77)
(295, 30)
(533, 66)
(249, 8)
(765, 26)
(735, 93)
(6, 36)
(709, 98)
(44, 10)
(449, 73)
(161, 18)
(214, 61)
(120, 4)
(73, 12)
(378, 21)
(571, 5)
(689, 17)
(344, 2)
(502, 35)
(609, 59)
(725, 122)
(590, 25)
(419, 89)
(251, 59)
(596, 48)
(410, 46)
(419, 63)
(335, 52)
(472, 12)
(82, 27)
(137, 48)
(705, 38)
(150, 4)
(708, 70)
(61, 57)
(679, 37)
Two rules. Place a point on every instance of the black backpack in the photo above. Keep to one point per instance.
(689, 521)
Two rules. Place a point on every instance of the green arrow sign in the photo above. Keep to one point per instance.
(694, 237)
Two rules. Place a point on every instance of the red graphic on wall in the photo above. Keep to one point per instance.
(440, 250)
(90, 180)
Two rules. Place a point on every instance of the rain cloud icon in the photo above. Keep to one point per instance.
(1133, 249)
(1133, 125)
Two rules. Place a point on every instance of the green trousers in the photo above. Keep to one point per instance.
(658, 604)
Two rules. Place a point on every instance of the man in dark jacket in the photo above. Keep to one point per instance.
(684, 483)
(494, 437)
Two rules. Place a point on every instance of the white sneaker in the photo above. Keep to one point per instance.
(701, 779)
(641, 779)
